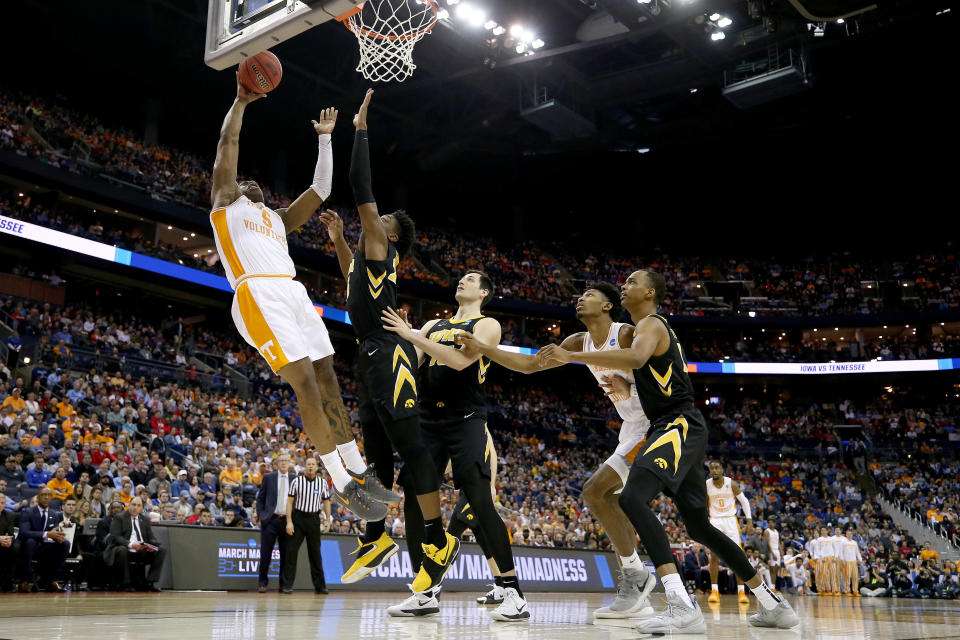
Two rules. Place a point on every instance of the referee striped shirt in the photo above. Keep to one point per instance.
(309, 494)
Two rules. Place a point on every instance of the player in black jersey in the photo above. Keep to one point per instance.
(671, 461)
(389, 409)
(454, 417)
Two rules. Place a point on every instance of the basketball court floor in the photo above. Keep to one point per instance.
(361, 616)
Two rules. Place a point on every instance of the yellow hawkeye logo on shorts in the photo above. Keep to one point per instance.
(404, 376)
(672, 435)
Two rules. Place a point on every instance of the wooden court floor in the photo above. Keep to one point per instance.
(349, 616)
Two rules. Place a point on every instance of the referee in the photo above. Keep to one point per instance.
(308, 496)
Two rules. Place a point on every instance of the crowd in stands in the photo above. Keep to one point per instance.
(782, 349)
(825, 285)
(925, 488)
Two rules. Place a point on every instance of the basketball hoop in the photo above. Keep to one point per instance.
(387, 31)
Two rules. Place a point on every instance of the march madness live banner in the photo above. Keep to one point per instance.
(219, 558)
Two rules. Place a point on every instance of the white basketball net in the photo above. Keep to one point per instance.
(387, 31)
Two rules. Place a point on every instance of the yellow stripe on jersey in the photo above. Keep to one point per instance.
(219, 220)
(259, 330)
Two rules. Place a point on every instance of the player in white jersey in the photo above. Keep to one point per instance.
(273, 312)
(724, 493)
(775, 560)
(795, 565)
(851, 560)
(597, 309)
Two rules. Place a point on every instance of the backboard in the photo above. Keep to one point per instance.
(237, 29)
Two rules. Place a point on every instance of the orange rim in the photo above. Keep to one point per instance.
(345, 20)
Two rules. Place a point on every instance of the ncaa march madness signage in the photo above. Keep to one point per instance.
(221, 558)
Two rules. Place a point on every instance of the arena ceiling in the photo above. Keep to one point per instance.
(625, 76)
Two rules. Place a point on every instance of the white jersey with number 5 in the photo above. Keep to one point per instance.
(251, 240)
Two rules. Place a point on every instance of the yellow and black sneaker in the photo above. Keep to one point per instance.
(370, 555)
(436, 563)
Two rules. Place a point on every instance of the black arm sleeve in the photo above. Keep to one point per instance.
(360, 179)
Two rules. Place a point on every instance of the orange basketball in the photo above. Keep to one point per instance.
(261, 73)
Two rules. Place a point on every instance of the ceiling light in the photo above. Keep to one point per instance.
(464, 11)
(477, 18)
(452, 2)
(490, 25)
(538, 43)
(169, 227)
(443, 14)
(527, 37)
(724, 22)
(20, 195)
(839, 20)
(184, 237)
(499, 31)
(715, 16)
(193, 235)
(521, 48)
(718, 35)
(516, 30)
(644, 1)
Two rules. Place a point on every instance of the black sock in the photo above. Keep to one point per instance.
(435, 533)
(374, 530)
(456, 528)
(498, 580)
(511, 582)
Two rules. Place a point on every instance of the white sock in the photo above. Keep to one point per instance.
(740, 588)
(351, 456)
(715, 587)
(768, 599)
(334, 466)
(672, 583)
(632, 561)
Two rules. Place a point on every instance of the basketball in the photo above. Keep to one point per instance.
(261, 73)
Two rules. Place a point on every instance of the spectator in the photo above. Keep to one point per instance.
(130, 534)
(37, 525)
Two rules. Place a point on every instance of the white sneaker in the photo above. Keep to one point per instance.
(512, 608)
(417, 605)
(494, 596)
(780, 617)
(633, 593)
(678, 617)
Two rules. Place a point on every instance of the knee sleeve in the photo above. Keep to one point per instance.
(407, 439)
(634, 500)
(377, 450)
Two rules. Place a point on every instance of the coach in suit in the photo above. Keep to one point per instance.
(9, 547)
(272, 511)
(41, 539)
(129, 533)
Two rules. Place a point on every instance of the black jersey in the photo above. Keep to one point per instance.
(663, 383)
(444, 391)
(371, 288)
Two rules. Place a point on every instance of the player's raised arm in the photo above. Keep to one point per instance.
(519, 362)
(224, 189)
(374, 235)
(335, 228)
(651, 338)
(303, 208)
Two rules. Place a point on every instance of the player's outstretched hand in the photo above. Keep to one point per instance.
(553, 353)
(615, 385)
(469, 344)
(333, 223)
(328, 120)
(360, 120)
(396, 322)
(245, 95)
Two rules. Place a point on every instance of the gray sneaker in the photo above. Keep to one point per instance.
(678, 617)
(632, 599)
(780, 617)
(357, 501)
(370, 484)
